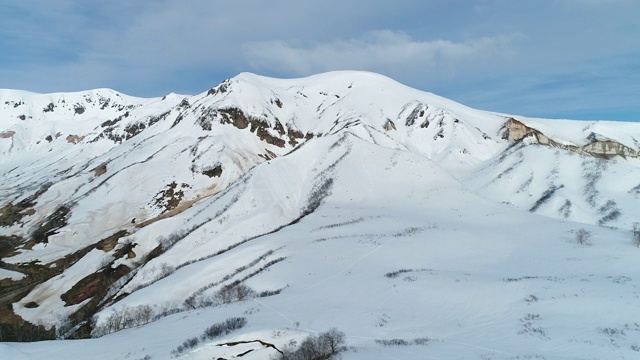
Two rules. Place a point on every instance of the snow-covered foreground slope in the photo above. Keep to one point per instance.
(417, 226)
(397, 250)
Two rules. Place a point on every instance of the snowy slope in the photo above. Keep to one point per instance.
(562, 184)
(340, 200)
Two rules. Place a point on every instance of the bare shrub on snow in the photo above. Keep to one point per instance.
(123, 319)
(530, 324)
(234, 292)
(583, 237)
(155, 274)
(223, 328)
(545, 197)
(326, 345)
(395, 274)
(267, 293)
(401, 342)
(320, 191)
(188, 344)
(215, 330)
(198, 299)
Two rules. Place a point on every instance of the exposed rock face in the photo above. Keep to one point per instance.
(92, 285)
(260, 127)
(215, 171)
(609, 148)
(294, 135)
(516, 130)
(74, 139)
(170, 197)
(7, 134)
(389, 125)
(53, 222)
(119, 134)
(100, 169)
(417, 113)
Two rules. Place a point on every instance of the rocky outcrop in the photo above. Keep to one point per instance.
(7, 134)
(609, 148)
(597, 147)
(114, 132)
(94, 284)
(171, 197)
(260, 127)
(100, 169)
(389, 125)
(215, 171)
(294, 135)
(74, 139)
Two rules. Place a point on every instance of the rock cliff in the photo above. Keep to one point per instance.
(596, 146)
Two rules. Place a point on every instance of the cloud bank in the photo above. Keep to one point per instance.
(385, 51)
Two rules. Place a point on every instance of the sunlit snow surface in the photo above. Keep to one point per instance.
(414, 238)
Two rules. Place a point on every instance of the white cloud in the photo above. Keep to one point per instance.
(381, 50)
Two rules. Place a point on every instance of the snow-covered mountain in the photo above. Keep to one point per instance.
(406, 220)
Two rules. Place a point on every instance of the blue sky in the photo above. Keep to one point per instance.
(576, 59)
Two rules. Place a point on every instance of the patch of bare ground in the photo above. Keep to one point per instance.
(94, 284)
(50, 226)
(8, 245)
(74, 139)
(100, 169)
(14, 328)
(94, 287)
(110, 242)
(184, 205)
(215, 171)
(7, 134)
(169, 198)
(260, 127)
(11, 214)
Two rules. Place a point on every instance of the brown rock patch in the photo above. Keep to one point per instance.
(74, 139)
(100, 169)
(7, 134)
